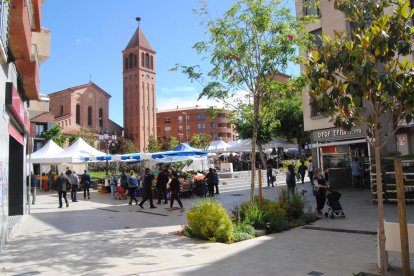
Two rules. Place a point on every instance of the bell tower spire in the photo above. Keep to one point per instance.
(139, 89)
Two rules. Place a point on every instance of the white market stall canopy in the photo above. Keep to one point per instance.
(40, 156)
(218, 146)
(76, 153)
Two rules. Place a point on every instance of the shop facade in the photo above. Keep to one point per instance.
(335, 148)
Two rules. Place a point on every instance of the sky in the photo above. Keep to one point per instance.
(88, 36)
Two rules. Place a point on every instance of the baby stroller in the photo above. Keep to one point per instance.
(335, 209)
(120, 193)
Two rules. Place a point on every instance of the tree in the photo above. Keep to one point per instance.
(367, 65)
(125, 145)
(54, 133)
(253, 40)
(200, 141)
(153, 144)
(169, 142)
(72, 138)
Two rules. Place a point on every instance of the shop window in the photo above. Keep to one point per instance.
(78, 114)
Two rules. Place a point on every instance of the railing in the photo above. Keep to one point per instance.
(28, 4)
(4, 23)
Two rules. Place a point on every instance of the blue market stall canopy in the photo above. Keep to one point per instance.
(185, 147)
(175, 153)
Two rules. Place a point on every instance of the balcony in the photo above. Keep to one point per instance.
(30, 72)
(20, 34)
(42, 42)
(4, 26)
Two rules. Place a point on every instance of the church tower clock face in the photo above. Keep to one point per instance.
(139, 90)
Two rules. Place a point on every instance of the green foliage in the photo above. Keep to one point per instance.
(153, 144)
(97, 174)
(87, 136)
(168, 143)
(295, 207)
(246, 47)
(208, 220)
(200, 141)
(243, 231)
(126, 146)
(54, 133)
(72, 138)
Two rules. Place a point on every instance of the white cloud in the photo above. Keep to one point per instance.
(172, 102)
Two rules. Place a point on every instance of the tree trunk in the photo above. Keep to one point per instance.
(259, 146)
(256, 105)
(380, 216)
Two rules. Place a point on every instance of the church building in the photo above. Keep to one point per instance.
(139, 86)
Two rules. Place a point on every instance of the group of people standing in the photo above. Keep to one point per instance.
(69, 181)
(167, 183)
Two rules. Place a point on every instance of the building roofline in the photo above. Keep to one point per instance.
(70, 89)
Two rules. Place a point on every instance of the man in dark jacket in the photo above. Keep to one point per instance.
(86, 182)
(147, 186)
(33, 186)
(63, 184)
(162, 181)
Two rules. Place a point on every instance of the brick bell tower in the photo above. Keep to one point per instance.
(139, 90)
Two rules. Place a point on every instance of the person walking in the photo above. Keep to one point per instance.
(86, 182)
(216, 180)
(73, 178)
(33, 186)
(269, 173)
(319, 189)
(291, 180)
(51, 178)
(210, 182)
(113, 182)
(302, 171)
(63, 184)
(175, 192)
(147, 187)
(124, 182)
(161, 185)
(132, 186)
(356, 173)
(310, 170)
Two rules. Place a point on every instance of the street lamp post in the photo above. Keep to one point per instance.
(105, 137)
(186, 127)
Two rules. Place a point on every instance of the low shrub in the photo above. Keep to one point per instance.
(243, 232)
(276, 223)
(208, 220)
(295, 207)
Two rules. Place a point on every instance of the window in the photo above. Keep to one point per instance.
(142, 59)
(89, 115)
(78, 114)
(135, 60)
(203, 126)
(39, 129)
(180, 119)
(152, 63)
(131, 60)
(61, 110)
(317, 37)
(147, 61)
(167, 120)
(213, 125)
(308, 10)
(180, 128)
(199, 126)
(188, 127)
(100, 117)
(126, 63)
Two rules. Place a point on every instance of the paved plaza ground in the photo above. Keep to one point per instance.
(109, 237)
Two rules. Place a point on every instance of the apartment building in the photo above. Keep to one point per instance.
(24, 46)
(183, 123)
(331, 146)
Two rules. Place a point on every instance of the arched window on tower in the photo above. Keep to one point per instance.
(89, 115)
(152, 63)
(126, 63)
(142, 59)
(100, 118)
(135, 60)
(146, 60)
(78, 114)
(131, 60)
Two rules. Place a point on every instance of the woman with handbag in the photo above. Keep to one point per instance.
(319, 190)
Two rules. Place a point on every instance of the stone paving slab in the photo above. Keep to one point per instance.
(109, 237)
